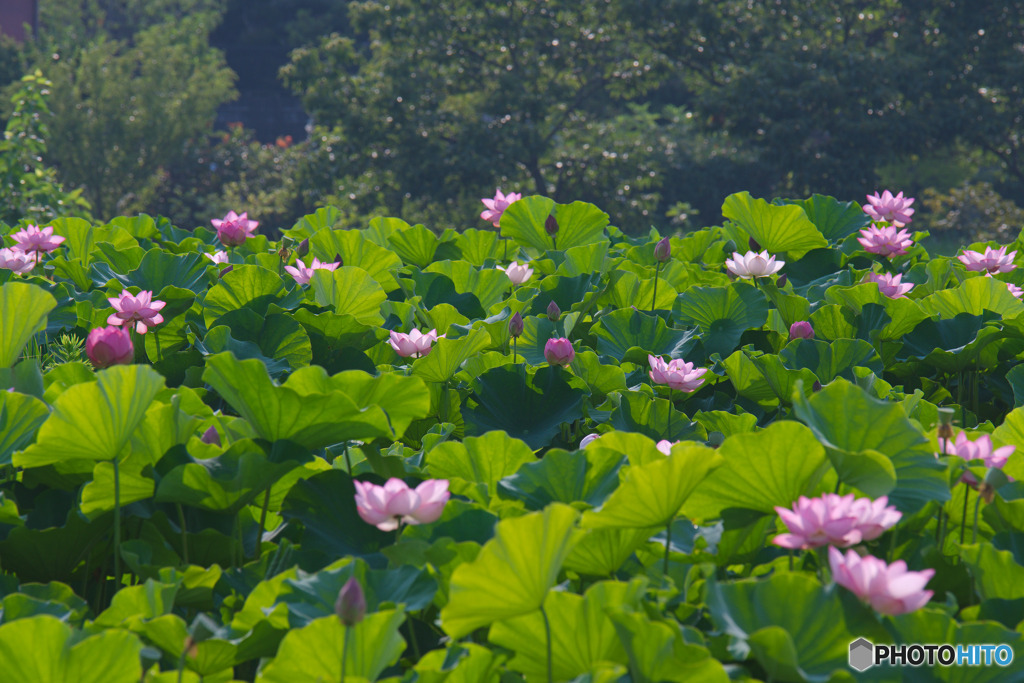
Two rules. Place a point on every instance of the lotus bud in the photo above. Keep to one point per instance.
(801, 330)
(559, 351)
(551, 225)
(351, 603)
(663, 250)
(303, 248)
(108, 346)
(554, 312)
(754, 246)
(515, 325)
(211, 436)
(781, 281)
(283, 252)
(816, 387)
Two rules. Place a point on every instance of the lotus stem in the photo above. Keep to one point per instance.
(547, 635)
(117, 527)
(977, 507)
(263, 515)
(184, 534)
(654, 296)
(963, 518)
(344, 651)
(515, 347)
(668, 546)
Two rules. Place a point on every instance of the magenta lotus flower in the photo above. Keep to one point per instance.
(888, 588)
(15, 259)
(218, 257)
(140, 309)
(753, 264)
(496, 207)
(302, 274)
(980, 449)
(518, 274)
(559, 351)
(106, 346)
(394, 503)
(677, 373)
(836, 520)
(895, 210)
(1014, 289)
(415, 344)
(890, 285)
(589, 439)
(991, 260)
(801, 330)
(32, 239)
(234, 229)
(885, 241)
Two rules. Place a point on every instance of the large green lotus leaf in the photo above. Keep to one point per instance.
(652, 494)
(904, 314)
(349, 291)
(339, 331)
(523, 221)
(356, 250)
(94, 420)
(537, 331)
(774, 466)
(313, 653)
(228, 482)
(380, 229)
(56, 599)
(974, 296)
(448, 355)
(574, 477)
(853, 425)
(832, 321)
(600, 379)
(133, 486)
(833, 218)
(141, 226)
(513, 572)
(246, 286)
(282, 413)
(460, 663)
(828, 361)
(795, 628)
(488, 285)
(776, 228)
(781, 380)
(533, 411)
(947, 335)
(1012, 430)
(477, 246)
(79, 237)
(434, 289)
(566, 292)
(23, 311)
(600, 552)
(169, 632)
(579, 224)
(159, 269)
(476, 465)
(582, 634)
(20, 417)
(629, 335)
(41, 649)
(585, 259)
(113, 258)
(173, 332)
(726, 423)
(635, 411)
(996, 573)
(415, 246)
(626, 289)
(749, 379)
(277, 339)
(723, 313)
(659, 652)
(638, 448)
(219, 340)
(325, 217)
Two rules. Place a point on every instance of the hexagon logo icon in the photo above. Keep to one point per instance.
(862, 654)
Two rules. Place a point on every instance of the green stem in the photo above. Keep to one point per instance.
(344, 651)
(117, 527)
(963, 518)
(263, 517)
(184, 534)
(515, 348)
(238, 557)
(977, 506)
(547, 635)
(668, 546)
(654, 296)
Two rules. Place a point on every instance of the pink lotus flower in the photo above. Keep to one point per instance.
(992, 260)
(885, 241)
(302, 274)
(218, 257)
(139, 308)
(890, 285)
(1014, 290)
(497, 206)
(394, 503)
(559, 351)
(15, 259)
(677, 373)
(837, 520)
(518, 274)
(589, 439)
(888, 588)
(415, 344)
(108, 346)
(233, 230)
(753, 264)
(801, 330)
(981, 449)
(665, 446)
(32, 239)
(895, 210)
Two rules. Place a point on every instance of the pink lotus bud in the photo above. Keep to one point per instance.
(351, 603)
(211, 436)
(515, 325)
(109, 346)
(303, 248)
(781, 282)
(551, 225)
(559, 351)
(801, 330)
(554, 312)
(234, 229)
(663, 250)
(588, 439)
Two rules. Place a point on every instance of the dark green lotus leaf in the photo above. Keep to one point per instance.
(537, 330)
(40, 648)
(904, 313)
(947, 344)
(749, 380)
(635, 411)
(415, 246)
(159, 269)
(722, 313)
(20, 418)
(488, 285)
(122, 257)
(173, 331)
(219, 340)
(528, 408)
(853, 426)
(356, 250)
(169, 632)
(566, 292)
(628, 335)
(601, 552)
(795, 629)
(828, 361)
(337, 331)
(776, 228)
(51, 552)
(54, 598)
(244, 287)
(23, 311)
(586, 477)
(437, 288)
(833, 218)
(791, 308)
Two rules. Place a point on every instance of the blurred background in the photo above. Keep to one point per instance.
(655, 110)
